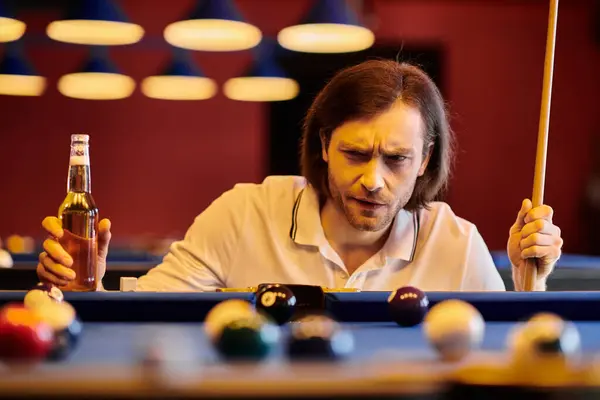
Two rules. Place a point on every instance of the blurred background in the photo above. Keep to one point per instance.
(171, 127)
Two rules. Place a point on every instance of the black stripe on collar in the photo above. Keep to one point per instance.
(417, 228)
(294, 227)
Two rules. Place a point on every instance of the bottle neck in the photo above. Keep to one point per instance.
(79, 178)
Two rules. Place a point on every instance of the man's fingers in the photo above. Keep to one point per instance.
(539, 226)
(104, 226)
(56, 251)
(540, 239)
(55, 268)
(520, 221)
(47, 277)
(46, 271)
(542, 212)
(104, 236)
(53, 226)
(547, 252)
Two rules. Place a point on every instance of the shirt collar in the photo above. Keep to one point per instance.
(402, 242)
(306, 228)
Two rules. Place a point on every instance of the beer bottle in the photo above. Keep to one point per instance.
(79, 216)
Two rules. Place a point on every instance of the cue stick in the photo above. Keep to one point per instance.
(530, 273)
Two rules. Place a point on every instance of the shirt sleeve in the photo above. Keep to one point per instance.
(481, 272)
(201, 261)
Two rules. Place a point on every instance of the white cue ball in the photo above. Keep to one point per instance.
(225, 312)
(454, 328)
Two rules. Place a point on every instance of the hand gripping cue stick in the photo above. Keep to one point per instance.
(530, 271)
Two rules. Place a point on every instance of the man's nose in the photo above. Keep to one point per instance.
(372, 177)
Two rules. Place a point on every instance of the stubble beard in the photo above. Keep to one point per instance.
(368, 223)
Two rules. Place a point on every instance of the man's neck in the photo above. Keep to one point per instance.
(343, 236)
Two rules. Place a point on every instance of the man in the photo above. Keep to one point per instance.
(376, 152)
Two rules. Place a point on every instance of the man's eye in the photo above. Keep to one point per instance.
(396, 158)
(355, 154)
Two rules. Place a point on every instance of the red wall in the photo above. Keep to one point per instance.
(157, 164)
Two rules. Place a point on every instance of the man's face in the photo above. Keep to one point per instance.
(373, 166)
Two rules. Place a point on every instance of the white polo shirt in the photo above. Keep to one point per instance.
(271, 232)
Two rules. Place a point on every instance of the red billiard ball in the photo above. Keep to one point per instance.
(24, 336)
(408, 306)
(42, 293)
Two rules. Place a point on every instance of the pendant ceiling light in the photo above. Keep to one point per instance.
(265, 81)
(11, 28)
(181, 80)
(214, 25)
(99, 79)
(95, 22)
(330, 27)
(17, 77)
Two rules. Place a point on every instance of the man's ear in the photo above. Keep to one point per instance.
(425, 162)
(324, 154)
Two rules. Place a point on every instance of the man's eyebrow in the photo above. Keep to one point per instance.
(398, 151)
(363, 147)
(355, 146)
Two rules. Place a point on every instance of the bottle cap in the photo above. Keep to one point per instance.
(79, 137)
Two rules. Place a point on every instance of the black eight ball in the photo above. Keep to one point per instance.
(277, 302)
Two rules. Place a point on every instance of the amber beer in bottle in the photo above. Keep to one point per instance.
(79, 216)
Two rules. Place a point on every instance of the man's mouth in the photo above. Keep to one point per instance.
(370, 204)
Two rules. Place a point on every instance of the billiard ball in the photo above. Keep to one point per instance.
(66, 325)
(545, 335)
(454, 328)
(248, 337)
(318, 336)
(24, 337)
(42, 293)
(408, 306)
(544, 351)
(277, 302)
(223, 313)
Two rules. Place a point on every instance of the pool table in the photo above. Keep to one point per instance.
(574, 272)
(388, 361)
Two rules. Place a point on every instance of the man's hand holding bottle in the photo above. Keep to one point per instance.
(55, 262)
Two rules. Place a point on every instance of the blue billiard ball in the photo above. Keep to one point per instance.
(66, 340)
(408, 306)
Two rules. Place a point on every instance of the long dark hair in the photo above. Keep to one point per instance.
(364, 91)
